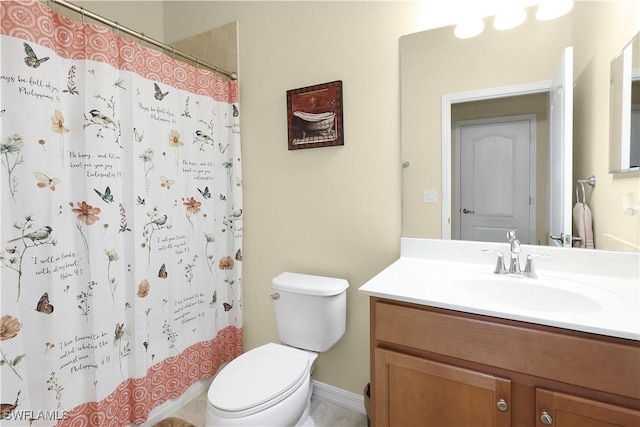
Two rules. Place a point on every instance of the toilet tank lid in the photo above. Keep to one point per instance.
(309, 284)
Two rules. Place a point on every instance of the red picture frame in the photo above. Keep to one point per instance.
(314, 116)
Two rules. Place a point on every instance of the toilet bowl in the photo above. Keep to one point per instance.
(271, 384)
(267, 386)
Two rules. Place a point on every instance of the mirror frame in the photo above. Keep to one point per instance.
(622, 76)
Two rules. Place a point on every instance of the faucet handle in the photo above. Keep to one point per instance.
(529, 269)
(500, 268)
(515, 243)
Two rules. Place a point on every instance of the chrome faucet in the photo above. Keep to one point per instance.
(514, 262)
(514, 266)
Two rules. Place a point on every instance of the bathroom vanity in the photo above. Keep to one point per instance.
(444, 353)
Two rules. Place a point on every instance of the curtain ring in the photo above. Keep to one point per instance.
(82, 13)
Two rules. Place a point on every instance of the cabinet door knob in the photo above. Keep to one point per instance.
(546, 418)
(502, 405)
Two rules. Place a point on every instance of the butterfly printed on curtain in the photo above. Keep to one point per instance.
(159, 95)
(107, 197)
(227, 306)
(162, 273)
(44, 306)
(31, 59)
(44, 181)
(205, 193)
(166, 183)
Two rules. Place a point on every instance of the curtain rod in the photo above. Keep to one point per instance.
(81, 10)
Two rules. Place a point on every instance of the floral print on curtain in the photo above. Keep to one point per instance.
(121, 223)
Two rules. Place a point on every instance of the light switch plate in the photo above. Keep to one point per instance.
(429, 196)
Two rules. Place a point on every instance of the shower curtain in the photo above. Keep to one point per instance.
(121, 223)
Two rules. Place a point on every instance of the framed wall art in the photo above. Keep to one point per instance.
(314, 116)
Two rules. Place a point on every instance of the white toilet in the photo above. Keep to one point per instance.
(271, 385)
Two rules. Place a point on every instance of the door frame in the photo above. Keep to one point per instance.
(533, 119)
(448, 99)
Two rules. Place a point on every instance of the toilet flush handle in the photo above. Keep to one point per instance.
(275, 296)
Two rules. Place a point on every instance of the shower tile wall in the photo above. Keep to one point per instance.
(218, 46)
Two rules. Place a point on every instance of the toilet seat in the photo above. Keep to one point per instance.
(258, 379)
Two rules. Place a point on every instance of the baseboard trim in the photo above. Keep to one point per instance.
(170, 406)
(344, 398)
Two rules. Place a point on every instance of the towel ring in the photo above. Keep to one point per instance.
(584, 197)
(591, 181)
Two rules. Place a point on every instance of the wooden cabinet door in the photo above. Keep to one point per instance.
(564, 410)
(411, 391)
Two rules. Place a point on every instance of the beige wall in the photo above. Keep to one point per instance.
(595, 46)
(142, 16)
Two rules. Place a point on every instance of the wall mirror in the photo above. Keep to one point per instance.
(436, 67)
(624, 109)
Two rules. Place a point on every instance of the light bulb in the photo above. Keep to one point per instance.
(510, 18)
(469, 28)
(552, 9)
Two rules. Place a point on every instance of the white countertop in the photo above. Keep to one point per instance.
(430, 272)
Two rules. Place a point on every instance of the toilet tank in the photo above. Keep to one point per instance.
(311, 311)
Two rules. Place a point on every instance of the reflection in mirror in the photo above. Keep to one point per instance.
(624, 110)
(435, 67)
(501, 69)
(500, 129)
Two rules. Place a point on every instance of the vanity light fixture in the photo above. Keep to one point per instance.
(509, 18)
(513, 16)
(469, 28)
(552, 9)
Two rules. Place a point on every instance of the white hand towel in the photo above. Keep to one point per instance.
(582, 226)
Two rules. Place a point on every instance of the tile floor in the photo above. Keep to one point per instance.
(324, 414)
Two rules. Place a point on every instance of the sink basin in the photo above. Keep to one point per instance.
(527, 294)
(599, 293)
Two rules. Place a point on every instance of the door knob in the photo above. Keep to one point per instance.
(467, 211)
(564, 238)
(546, 418)
(502, 405)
